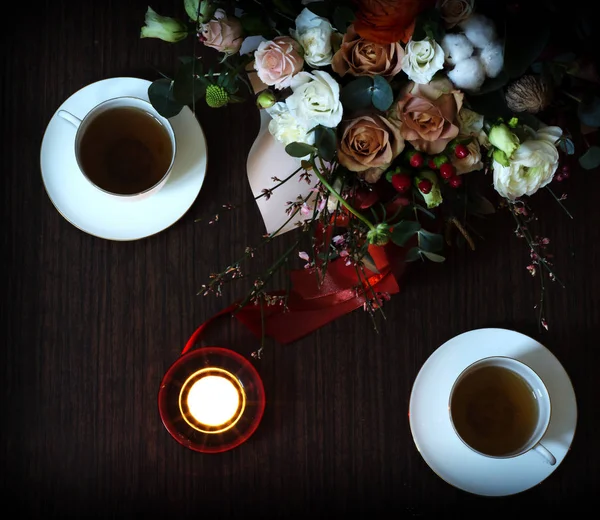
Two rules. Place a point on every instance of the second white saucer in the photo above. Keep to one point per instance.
(446, 454)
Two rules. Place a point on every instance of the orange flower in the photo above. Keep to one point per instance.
(388, 21)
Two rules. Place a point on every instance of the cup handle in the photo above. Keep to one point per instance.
(544, 452)
(75, 121)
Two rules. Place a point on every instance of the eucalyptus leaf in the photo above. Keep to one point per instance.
(590, 159)
(424, 210)
(413, 254)
(357, 94)
(567, 146)
(430, 242)
(300, 149)
(433, 257)
(479, 205)
(382, 95)
(326, 142)
(404, 230)
(188, 86)
(160, 94)
(589, 112)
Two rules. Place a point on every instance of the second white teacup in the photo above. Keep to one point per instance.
(500, 408)
(124, 147)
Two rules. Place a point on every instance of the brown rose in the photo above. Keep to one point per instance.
(427, 114)
(388, 21)
(361, 57)
(454, 11)
(368, 144)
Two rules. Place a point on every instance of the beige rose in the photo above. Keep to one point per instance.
(454, 11)
(427, 114)
(368, 144)
(222, 33)
(277, 61)
(361, 57)
(471, 162)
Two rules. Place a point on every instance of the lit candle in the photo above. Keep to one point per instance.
(212, 400)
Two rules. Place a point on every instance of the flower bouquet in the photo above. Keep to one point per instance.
(397, 117)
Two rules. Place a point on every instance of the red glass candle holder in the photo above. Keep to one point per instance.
(232, 373)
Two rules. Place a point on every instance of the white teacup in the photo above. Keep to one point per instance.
(500, 408)
(124, 147)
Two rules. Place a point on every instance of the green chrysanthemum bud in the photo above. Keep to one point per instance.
(216, 96)
(163, 27)
(501, 137)
(379, 235)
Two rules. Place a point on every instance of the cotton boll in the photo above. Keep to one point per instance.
(479, 29)
(492, 59)
(456, 48)
(468, 74)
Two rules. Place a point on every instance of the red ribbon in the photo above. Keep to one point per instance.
(311, 304)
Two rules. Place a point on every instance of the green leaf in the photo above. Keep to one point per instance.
(254, 24)
(300, 149)
(326, 142)
(428, 24)
(567, 146)
(423, 209)
(590, 159)
(357, 94)
(430, 242)
(524, 43)
(589, 112)
(160, 93)
(369, 263)
(403, 231)
(433, 257)
(187, 86)
(383, 97)
(343, 16)
(413, 254)
(479, 205)
(491, 105)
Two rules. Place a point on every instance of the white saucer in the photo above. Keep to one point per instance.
(97, 213)
(446, 454)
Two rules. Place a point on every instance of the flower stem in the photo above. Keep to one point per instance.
(559, 202)
(339, 197)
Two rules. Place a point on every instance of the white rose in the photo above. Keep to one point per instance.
(286, 128)
(532, 165)
(314, 34)
(422, 60)
(316, 99)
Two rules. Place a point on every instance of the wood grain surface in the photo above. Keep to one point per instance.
(90, 326)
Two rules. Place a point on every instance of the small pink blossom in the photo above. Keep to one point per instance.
(303, 255)
(306, 209)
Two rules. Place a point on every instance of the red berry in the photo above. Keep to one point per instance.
(416, 161)
(447, 171)
(566, 170)
(455, 182)
(401, 182)
(431, 164)
(425, 186)
(560, 177)
(461, 151)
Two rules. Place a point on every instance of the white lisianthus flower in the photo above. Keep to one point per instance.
(316, 99)
(163, 27)
(531, 166)
(422, 60)
(314, 33)
(286, 128)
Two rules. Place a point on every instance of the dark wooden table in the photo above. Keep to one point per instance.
(90, 326)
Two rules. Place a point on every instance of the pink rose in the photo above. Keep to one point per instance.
(222, 33)
(277, 61)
